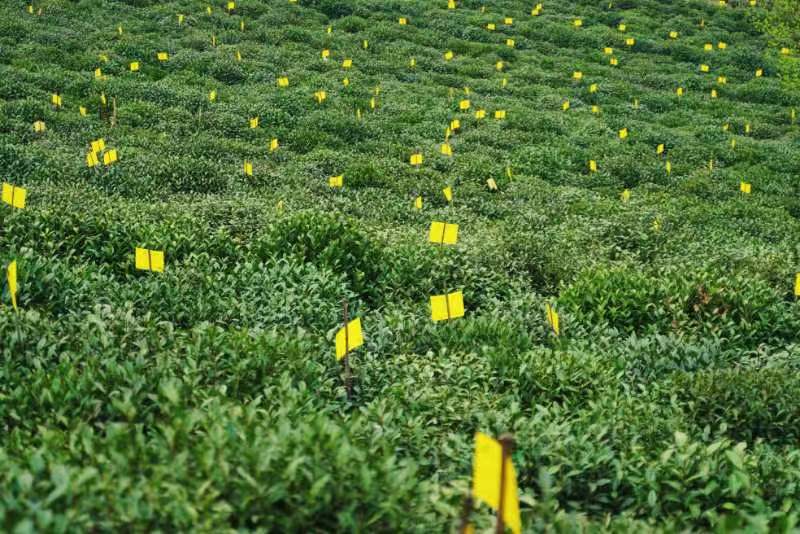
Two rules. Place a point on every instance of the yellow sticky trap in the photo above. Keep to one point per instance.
(708, 47)
(119, 30)
(110, 157)
(577, 75)
(347, 63)
(745, 187)
(673, 35)
(714, 93)
(213, 40)
(510, 43)
(238, 55)
(364, 44)
(283, 81)
(39, 127)
(592, 165)
(231, 6)
(103, 99)
(593, 88)
(508, 21)
(180, 19)
(247, 167)
(253, 122)
(480, 114)
(487, 469)
(451, 4)
(785, 51)
(346, 82)
(499, 65)
(504, 82)
(491, 184)
(500, 114)
(660, 149)
(625, 195)
(273, 145)
(326, 54)
(759, 73)
(464, 105)
(212, 95)
(402, 21)
(623, 133)
(613, 62)
(443, 234)
(372, 103)
(14, 196)
(630, 41)
(448, 55)
(722, 45)
(98, 145)
(55, 99)
(320, 96)
(92, 159)
(622, 27)
(595, 109)
(747, 128)
(577, 23)
(508, 171)
(336, 181)
(490, 26)
(608, 50)
(30, 9)
(565, 105)
(797, 285)
(416, 159)
(446, 149)
(149, 260)
(679, 91)
(11, 276)
(241, 25)
(552, 319)
(98, 74)
(448, 193)
(329, 30)
(412, 62)
(163, 56)
(83, 111)
(446, 307)
(668, 167)
(704, 68)
(349, 338)
(793, 115)
(134, 66)
(455, 124)
(635, 105)
(418, 203)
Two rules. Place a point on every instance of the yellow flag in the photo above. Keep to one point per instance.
(442, 233)
(336, 181)
(448, 193)
(416, 159)
(445, 307)
(552, 319)
(487, 468)
(149, 260)
(273, 145)
(110, 157)
(745, 187)
(349, 338)
(11, 276)
(39, 127)
(283, 81)
(14, 196)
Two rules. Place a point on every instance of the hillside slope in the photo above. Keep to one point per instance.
(208, 396)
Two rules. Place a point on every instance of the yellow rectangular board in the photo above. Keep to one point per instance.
(149, 260)
(336, 181)
(349, 340)
(416, 159)
(450, 306)
(443, 233)
(552, 319)
(14, 196)
(486, 478)
(11, 276)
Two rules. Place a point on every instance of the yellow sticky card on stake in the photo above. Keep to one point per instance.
(510, 43)
(149, 260)
(247, 167)
(180, 19)
(39, 127)
(442, 233)
(326, 54)
(347, 63)
(110, 157)
(704, 68)
(500, 114)
(487, 475)
(797, 285)
(446, 307)
(565, 105)
(83, 111)
(595, 109)
(464, 105)
(231, 6)
(448, 193)
(163, 56)
(480, 114)
(577, 23)
(622, 27)
(320, 96)
(623, 133)
(92, 159)
(349, 338)
(679, 91)
(593, 88)
(212, 95)
(660, 149)
(238, 55)
(577, 75)
(346, 82)
(499, 65)
(418, 203)
(134, 66)
(98, 74)
(412, 63)
(491, 27)
(714, 93)
(722, 45)
(402, 21)
(491, 184)
(55, 99)
(592, 165)
(608, 50)
(14, 196)
(613, 62)
(745, 187)
(455, 124)
(552, 319)
(448, 55)
(253, 122)
(625, 195)
(11, 276)
(451, 4)
(759, 73)
(630, 41)
(673, 35)
(273, 145)
(446, 149)
(336, 181)
(708, 47)
(283, 81)
(416, 159)
(668, 167)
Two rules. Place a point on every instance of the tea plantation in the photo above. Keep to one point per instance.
(208, 397)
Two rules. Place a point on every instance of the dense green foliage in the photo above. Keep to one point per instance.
(208, 397)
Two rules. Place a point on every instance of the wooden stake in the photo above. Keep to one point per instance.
(348, 382)
(507, 442)
(465, 513)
